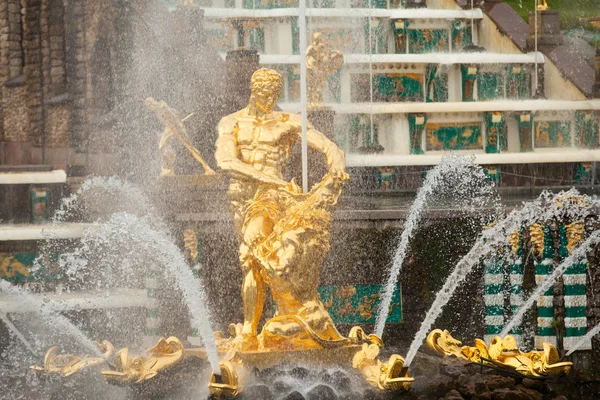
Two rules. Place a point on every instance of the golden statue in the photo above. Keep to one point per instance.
(501, 352)
(284, 233)
(321, 62)
(174, 129)
(543, 5)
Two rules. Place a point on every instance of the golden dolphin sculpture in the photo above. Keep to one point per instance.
(68, 364)
(501, 352)
(166, 354)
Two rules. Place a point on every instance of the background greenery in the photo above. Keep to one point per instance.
(570, 10)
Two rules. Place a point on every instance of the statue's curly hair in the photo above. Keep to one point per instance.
(266, 77)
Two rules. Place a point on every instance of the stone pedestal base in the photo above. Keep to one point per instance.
(15, 153)
(548, 29)
(322, 120)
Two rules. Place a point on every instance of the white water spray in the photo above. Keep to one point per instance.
(460, 170)
(50, 317)
(4, 318)
(544, 208)
(575, 255)
(141, 236)
(588, 336)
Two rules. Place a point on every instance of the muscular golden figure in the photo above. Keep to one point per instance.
(283, 233)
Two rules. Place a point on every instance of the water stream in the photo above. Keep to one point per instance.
(49, 315)
(4, 318)
(455, 173)
(145, 236)
(588, 336)
(138, 239)
(544, 208)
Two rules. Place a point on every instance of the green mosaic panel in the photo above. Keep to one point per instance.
(587, 128)
(427, 41)
(17, 268)
(461, 35)
(463, 136)
(552, 134)
(256, 39)
(378, 41)
(518, 83)
(269, 4)
(358, 304)
(360, 128)
(334, 85)
(219, 39)
(490, 86)
(397, 87)
(368, 3)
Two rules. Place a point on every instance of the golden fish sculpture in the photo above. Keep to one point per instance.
(501, 352)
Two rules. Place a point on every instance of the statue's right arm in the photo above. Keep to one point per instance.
(226, 155)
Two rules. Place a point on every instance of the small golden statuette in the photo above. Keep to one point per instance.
(321, 61)
(501, 352)
(543, 5)
(174, 129)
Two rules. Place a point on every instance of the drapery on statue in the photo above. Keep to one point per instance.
(284, 234)
(174, 129)
(321, 62)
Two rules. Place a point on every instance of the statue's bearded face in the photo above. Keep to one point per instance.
(266, 88)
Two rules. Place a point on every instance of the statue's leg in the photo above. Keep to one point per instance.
(253, 286)
(253, 295)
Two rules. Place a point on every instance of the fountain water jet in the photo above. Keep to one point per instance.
(4, 318)
(588, 336)
(141, 233)
(50, 316)
(453, 167)
(545, 207)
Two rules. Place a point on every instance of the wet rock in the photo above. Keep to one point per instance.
(561, 397)
(531, 393)
(321, 392)
(536, 384)
(325, 377)
(454, 370)
(295, 395)
(436, 385)
(499, 382)
(281, 387)
(257, 392)
(509, 394)
(453, 395)
(351, 396)
(424, 364)
(341, 381)
(299, 373)
(483, 396)
(465, 386)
